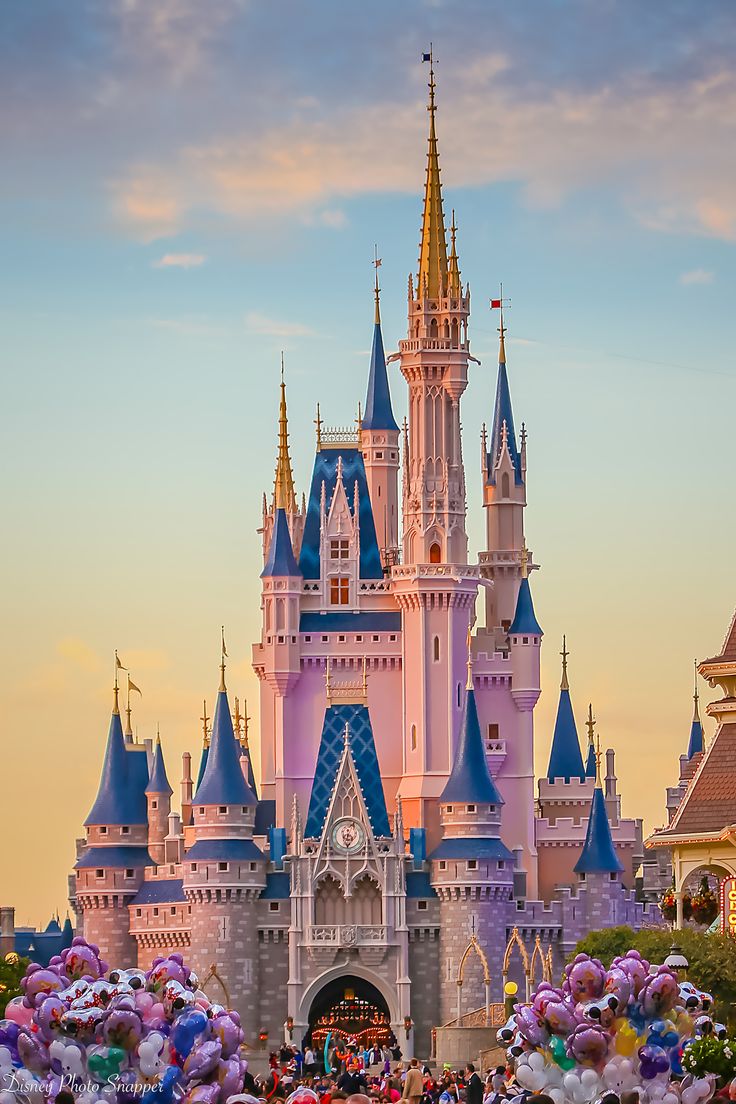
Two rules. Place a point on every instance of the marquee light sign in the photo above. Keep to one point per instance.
(728, 906)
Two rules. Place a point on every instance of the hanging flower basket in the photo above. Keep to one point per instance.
(668, 906)
(704, 904)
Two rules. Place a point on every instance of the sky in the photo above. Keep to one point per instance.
(187, 189)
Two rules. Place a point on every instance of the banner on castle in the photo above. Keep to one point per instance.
(728, 906)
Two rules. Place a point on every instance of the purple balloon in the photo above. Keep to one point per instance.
(652, 1060)
(202, 1060)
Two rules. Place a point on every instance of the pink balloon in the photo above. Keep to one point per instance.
(18, 1013)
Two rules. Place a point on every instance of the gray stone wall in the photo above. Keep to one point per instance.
(424, 973)
(273, 974)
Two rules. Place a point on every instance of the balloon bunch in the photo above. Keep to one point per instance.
(111, 1037)
(610, 1031)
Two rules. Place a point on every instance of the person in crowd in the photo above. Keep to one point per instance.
(353, 1080)
(413, 1089)
(473, 1086)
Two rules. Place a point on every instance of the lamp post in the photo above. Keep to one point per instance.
(510, 990)
(677, 962)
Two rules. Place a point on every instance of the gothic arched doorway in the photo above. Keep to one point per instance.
(349, 1009)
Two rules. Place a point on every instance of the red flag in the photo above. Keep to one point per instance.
(495, 303)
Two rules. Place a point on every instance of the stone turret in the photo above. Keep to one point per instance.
(379, 443)
(158, 796)
(224, 872)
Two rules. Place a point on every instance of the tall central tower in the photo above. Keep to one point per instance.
(434, 586)
(434, 363)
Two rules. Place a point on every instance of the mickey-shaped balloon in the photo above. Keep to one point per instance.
(584, 978)
(191, 1023)
(653, 1060)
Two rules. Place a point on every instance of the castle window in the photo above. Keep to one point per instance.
(413, 737)
(154, 803)
(139, 912)
(155, 912)
(459, 694)
(379, 456)
(325, 639)
(422, 906)
(273, 906)
(376, 639)
(339, 549)
(103, 831)
(201, 810)
(339, 590)
(254, 866)
(525, 640)
(193, 868)
(501, 864)
(222, 809)
(392, 637)
(443, 864)
(435, 553)
(245, 808)
(449, 808)
(307, 640)
(129, 874)
(341, 639)
(505, 486)
(492, 732)
(613, 875)
(100, 873)
(472, 864)
(359, 639)
(125, 830)
(222, 867)
(173, 910)
(436, 646)
(505, 624)
(471, 808)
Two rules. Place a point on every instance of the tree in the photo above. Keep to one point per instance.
(12, 969)
(712, 958)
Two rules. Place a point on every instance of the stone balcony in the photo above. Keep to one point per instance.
(323, 941)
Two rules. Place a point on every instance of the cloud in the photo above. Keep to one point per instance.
(80, 654)
(271, 327)
(180, 260)
(697, 276)
(553, 141)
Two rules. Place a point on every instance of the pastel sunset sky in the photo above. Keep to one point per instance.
(188, 188)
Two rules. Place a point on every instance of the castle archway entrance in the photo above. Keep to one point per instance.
(349, 1010)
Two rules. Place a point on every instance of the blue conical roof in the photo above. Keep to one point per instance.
(120, 800)
(470, 781)
(599, 854)
(378, 413)
(502, 412)
(280, 560)
(202, 767)
(68, 933)
(223, 782)
(525, 620)
(249, 775)
(158, 783)
(590, 763)
(565, 759)
(53, 927)
(696, 742)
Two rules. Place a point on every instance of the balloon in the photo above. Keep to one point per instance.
(19, 1012)
(164, 1092)
(625, 1039)
(187, 1026)
(559, 1053)
(105, 1062)
(652, 1060)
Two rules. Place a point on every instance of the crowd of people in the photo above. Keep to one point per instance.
(380, 1076)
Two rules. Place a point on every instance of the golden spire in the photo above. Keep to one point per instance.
(564, 684)
(590, 725)
(283, 490)
(598, 757)
(128, 726)
(432, 279)
(246, 718)
(318, 423)
(377, 290)
(696, 696)
(453, 268)
(502, 331)
(223, 656)
(204, 719)
(116, 688)
(237, 720)
(469, 683)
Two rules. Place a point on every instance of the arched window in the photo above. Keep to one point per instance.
(454, 333)
(435, 553)
(413, 737)
(459, 692)
(433, 328)
(505, 485)
(436, 649)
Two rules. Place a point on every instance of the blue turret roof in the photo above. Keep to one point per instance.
(223, 782)
(525, 620)
(247, 763)
(599, 854)
(502, 412)
(590, 764)
(363, 750)
(353, 470)
(280, 560)
(68, 932)
(565, 759)
(120, 797)
(158, 783)
(202, 767)
(470, 781)
(378, 412)
(696, 743)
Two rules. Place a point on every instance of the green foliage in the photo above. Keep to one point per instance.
(712, 958)
(12, 970)
(711, 1055)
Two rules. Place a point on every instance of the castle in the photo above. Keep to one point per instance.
(395, 863)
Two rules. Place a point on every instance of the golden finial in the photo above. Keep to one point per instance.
(283, 490)
(204, 719)
(237, 720)
(223, 657)
(246, 719)
(696, 696)
(502, 331)
(564, 684)
(469, 682)
(524, 561)
(318, 423)
(598, 757)
(453, 268)
(590, 725)
(158, 734)
(377, 289)
(116, 688)
(432, 279)
(131, 686)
